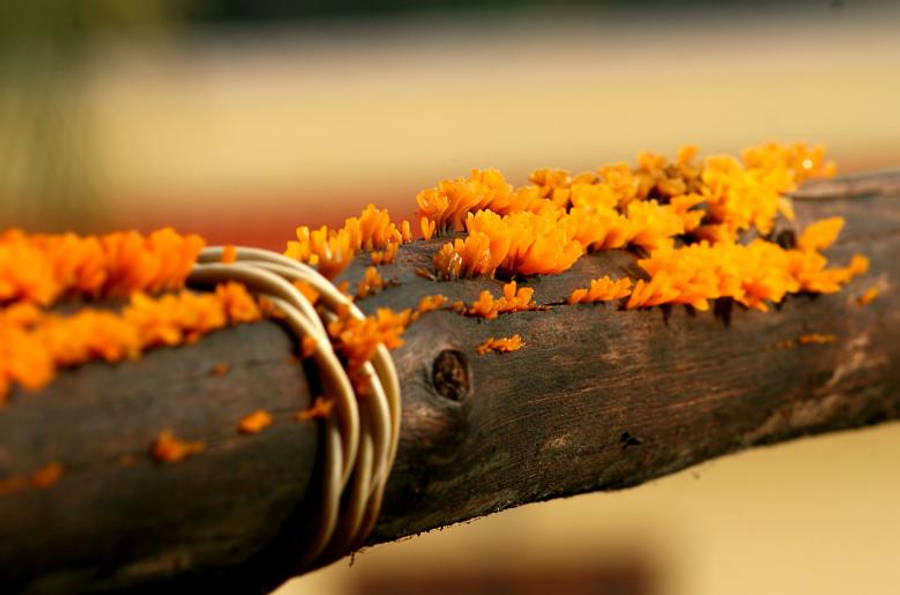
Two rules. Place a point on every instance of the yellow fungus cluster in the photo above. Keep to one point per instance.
(320, 408)
(387, 255)
(34, 344)
(168, 448)
(522, 243)
(804, 162)
(603, 289)
(538, 229)
(686, 216)
(307, 290)
(807, 339)
(370, 283)
(41, 268)
(356, 340)
(868, 296)
(255, 423)
(429, 303)
(512, 300)
(501, 345)
(816, 339)
(751, 274)
(446, 206)
(44, 477)
(331, 250)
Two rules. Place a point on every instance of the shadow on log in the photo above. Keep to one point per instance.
(598, 399)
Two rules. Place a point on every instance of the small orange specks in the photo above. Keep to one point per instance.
(11, 485)
(429, 303)
(428, 227)
(344, 287)
(385, 256)
(268, 309)
(405, 232)
(816, 339)
(356, 340)
(229, 253)
(308, 346)
(786, 344)
(867, 296)
(167, 448)
(370, 283)
(321, 408)
(602, 289)
(307, 290)
(425, 274)
(512, 300)
(255, 422)
(807, 339)
(220, 369)
(504, 344)
(46, 476)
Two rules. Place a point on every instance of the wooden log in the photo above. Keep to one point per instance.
(598, 399)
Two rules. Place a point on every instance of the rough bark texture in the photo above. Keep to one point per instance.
(598, 399)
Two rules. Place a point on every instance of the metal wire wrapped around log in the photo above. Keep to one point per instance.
(360, 440)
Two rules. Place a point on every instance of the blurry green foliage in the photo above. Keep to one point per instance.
(45, 146)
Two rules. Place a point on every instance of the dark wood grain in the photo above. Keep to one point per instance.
(598, 399)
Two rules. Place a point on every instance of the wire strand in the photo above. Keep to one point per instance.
(361, 439)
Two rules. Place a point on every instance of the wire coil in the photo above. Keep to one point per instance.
(360, 440)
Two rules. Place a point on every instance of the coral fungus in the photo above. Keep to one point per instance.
(320, 408)
(387, 255)
(41, 268)
(447, 205)
(370, 283)
(602, 290)
(504, 344)
(331, 250)
(751, 274)
(429, 303)
(47, 475)
(686, 216)
(512, 300)
(168, 448)
(356, 340)
(520, 243)
(868, 296)
(255, 423)
(537, 229)
(34, 344)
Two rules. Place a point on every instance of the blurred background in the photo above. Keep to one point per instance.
(241, 120)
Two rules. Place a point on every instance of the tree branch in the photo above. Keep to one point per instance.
(598, 399)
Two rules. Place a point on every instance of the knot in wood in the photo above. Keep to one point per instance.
(450, 375)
